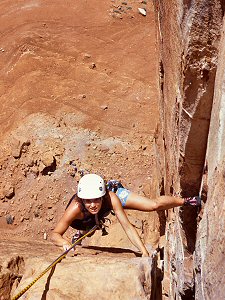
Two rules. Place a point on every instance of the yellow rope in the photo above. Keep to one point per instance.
(58, 259)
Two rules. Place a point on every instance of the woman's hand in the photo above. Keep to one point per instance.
(127, 226)
(66, 246)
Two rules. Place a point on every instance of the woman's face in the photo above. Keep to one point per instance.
(93, 205)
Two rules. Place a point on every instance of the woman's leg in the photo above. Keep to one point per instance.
(135, 201)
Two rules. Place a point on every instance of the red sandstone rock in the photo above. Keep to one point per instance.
(90, 277)
(210, 245)
(52, 99)
(189, 35)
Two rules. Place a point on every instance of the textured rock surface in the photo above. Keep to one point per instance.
(97, 272)
(89, 278)
(210, 245)
(189, 33)
(78, 93)
(70, 84)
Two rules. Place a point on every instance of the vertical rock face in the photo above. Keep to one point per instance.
(189, 34)
(209, 254)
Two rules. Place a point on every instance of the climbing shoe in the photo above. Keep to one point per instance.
(192, 201)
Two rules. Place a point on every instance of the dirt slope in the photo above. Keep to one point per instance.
(78, 92)
(93, 58)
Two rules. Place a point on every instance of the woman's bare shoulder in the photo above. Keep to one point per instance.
(74, 210)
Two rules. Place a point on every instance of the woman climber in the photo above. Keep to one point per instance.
(95, 199)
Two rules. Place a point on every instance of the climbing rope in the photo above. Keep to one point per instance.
(58, 259)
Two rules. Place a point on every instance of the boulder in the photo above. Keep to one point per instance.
(89, 277)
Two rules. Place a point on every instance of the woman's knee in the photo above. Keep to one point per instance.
(155, 205)
(152, 204)
(158, 203)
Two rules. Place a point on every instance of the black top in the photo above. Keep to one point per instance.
(89, 220)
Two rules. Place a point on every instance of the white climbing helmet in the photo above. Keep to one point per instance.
(91, 186)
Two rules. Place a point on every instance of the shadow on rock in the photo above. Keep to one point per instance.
(112, 250)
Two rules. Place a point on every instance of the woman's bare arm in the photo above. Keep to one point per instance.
(72, 212)
(127, 226)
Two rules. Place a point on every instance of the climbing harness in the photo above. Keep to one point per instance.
(113, 185)
(57, 260)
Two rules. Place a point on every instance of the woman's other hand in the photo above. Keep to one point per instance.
(66, 246)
